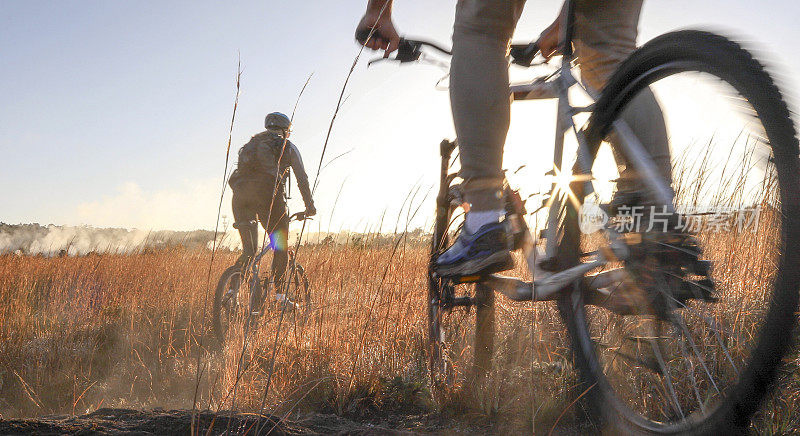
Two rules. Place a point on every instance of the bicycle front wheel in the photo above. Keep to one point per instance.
(299, 288)
(693, 349)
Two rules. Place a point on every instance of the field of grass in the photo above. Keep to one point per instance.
(80, 333)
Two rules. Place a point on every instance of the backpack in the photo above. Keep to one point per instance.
(258, 159)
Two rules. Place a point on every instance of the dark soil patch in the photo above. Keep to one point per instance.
(179, 422)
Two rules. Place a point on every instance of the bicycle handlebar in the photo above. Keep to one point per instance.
(298, 216)
(410, 50)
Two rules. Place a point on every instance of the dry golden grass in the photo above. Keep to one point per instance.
(78, 333)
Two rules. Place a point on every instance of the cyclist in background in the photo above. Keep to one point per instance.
(605, 35)
(258, 185)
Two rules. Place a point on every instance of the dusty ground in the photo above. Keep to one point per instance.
(179, 422)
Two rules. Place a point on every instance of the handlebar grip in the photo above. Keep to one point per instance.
(362, 35)
(299, 216)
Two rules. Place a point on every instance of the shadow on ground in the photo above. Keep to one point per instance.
(179, 422)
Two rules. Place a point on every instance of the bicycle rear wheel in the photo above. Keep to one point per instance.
(227, 307)
(452, 335)
(688, 354)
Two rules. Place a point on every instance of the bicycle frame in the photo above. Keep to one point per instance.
(550, 287)
(254, 281)
(556, 86)
(626, 361)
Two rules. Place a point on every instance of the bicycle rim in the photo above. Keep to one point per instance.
(226, 308)
(460, 347)
(680, 364)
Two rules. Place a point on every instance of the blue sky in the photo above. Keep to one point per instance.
(116, 113)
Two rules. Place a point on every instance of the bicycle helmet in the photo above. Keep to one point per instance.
(277, 120)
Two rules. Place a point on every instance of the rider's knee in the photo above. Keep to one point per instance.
(494, 19)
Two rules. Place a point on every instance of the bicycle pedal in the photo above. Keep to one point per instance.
(481, 275)
(467, 279)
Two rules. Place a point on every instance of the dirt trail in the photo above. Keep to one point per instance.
(178, 422)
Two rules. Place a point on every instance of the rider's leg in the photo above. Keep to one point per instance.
(278, 229)
(244, 211)
(480, 103)
(605, 35)
(480, 99)
(646, 120)
(280, 259)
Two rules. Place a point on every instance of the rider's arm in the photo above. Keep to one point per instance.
(302, 179)
(379, 17)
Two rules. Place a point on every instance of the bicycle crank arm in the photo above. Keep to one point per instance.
(545, 288)
(457, 302)
(606, 290)
(540, 290)
(513, 288)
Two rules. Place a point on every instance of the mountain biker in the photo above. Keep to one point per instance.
(605, 35)
(258, 185)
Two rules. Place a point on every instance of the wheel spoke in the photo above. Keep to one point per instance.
(671, 339)
(712, 323)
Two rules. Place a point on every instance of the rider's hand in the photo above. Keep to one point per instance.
(385, 36)
(310, 211)
(549, 42)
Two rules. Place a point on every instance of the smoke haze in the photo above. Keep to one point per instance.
(51, 240)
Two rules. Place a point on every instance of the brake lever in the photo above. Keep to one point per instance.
(376, 60)
(407, 51)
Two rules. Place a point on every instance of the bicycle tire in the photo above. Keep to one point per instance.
(300, 286)
(708, 53)
(440, 355)
(438, 364)
(220, 327)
